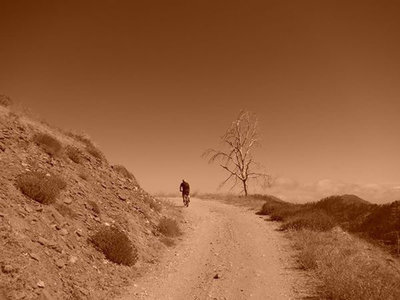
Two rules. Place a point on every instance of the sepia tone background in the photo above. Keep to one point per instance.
(157, 82)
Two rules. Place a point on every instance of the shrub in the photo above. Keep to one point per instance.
(93, 151)
(169, 227)
(348, 268)
(115, 245)
(94, 206)
(123, 171)
(74, 154)
(155, 205)
(5, 101)
(313, 220)
(40, 187)
(49, 144)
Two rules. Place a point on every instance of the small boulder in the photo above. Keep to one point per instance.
(40, 284)
(7, 269)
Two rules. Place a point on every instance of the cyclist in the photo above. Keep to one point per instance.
(185, 189)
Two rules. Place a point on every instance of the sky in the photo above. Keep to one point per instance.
(155, 83)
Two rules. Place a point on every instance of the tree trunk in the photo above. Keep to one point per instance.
(245, 188)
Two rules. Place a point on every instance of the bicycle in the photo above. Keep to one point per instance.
(186, 200)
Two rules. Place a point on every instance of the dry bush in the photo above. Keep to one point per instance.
(349, 268)
(169, 227)
(39, 187)
(94, 206)
(93, 151)
(74, 154)
(167, 241)
(123, 171)
(49, 144)
(65, 210)
(313, 220)
(115, 245)
(5, 101)
(156, 206)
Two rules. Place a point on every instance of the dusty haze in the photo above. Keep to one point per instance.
(156, 83)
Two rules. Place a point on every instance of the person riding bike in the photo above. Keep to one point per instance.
(185, 189)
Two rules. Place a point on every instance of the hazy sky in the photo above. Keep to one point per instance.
(157, 82)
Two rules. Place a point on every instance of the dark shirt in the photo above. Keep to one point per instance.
(185, 188)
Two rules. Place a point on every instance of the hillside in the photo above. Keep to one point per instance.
(50, 245)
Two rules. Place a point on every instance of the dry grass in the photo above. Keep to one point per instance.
(48, 143)
(314, 220)
(155, 205)
(74, 154)
(115, 245)
(40, 187)
(124, 172)
(169, 227)
(348, 268)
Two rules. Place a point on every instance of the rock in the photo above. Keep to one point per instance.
(7, 269)
(34, 256)
(2, 148)
(216, 276)
(43, 241)
(39, 209)
(73, 259)
(63, 232)
(40, 284)
(68, 201)
(123, 196)
(79, 232)
(60, 263)
(104, 185)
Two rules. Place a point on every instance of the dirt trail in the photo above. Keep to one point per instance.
(251, 258)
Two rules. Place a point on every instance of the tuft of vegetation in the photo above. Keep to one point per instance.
(155, 205)
(316, 220)
(94, 206)
(5, 101)
(40, 187)
(74, 154)
(48, 143)
(169, 227)
(115, 245)
(93, 151)
(124, 172)
(348, 267)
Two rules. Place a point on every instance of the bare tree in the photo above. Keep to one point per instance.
(237, 159)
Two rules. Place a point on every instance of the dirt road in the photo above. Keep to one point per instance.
(227, 252)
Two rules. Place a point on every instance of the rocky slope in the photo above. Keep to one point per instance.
(45, 249)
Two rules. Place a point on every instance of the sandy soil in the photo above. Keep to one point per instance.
(227, 252)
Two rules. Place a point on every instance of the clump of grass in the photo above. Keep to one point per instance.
(169, 227)
(123, 171)
(74, 154)
(348, 267)
(155, 205)
(93, 151)
(314, 220)
(94, 206)
(5, 101)
(48, 143)
(115, 245)
(40, 187)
